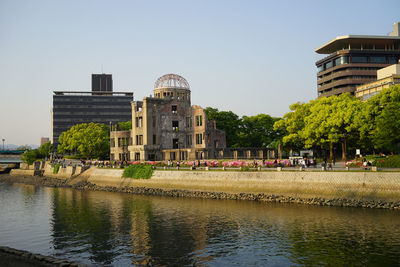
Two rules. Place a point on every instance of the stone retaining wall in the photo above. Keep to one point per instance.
(19, 172)
(377, 186)
(355, 185)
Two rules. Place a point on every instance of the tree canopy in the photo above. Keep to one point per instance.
(87, 140)
(42, 152)
(248, 131)
(379, 121)
(344, 119)
(125, 126)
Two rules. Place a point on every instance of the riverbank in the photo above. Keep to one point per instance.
(14, 257)
(381, 190)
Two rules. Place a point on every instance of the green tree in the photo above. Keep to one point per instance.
(45, 149)
(331, 120)
(293, 124)
(379, 120)
(258, 131)
(87, 140)
(322, 122)
(30, 156)
(125, 126)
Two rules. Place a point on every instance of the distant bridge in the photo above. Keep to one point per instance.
(11, 156)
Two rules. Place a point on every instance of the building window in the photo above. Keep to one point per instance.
(199, 139)
(112, 157)
(358, 59)
(328, 65)
(341, 60)
(112, 142)
(174, 109)
(378, 59)
(320, 68)
(153, 119)
(175, 126)
(154, 139)
(189, 140)
(189, 122)
(392, 60)
(122, 142)
(175, 143)
(139, 121)
(199, 120)
(139, 140)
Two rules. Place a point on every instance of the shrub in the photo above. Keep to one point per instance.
(138, 171)
(56, 168)
(245, 169)
(389, 162)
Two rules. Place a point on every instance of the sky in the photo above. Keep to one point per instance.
(246, 56)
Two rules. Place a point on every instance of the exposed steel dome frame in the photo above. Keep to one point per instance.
(171, 81)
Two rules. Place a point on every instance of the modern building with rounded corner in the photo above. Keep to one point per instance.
(353, 60)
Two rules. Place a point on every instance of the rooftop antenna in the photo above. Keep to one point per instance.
(102, 68)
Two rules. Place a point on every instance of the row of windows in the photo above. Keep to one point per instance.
(122, 142)
(105, 107)
(69, 121)
(175, 124)
(346, 70)
(358, 77)
(73, 115)
(358, 59)
(91, 99)
(125, 141)
(178, 95)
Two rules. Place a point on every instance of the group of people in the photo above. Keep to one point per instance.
(304, 162)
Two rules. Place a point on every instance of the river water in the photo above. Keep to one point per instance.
(100, 228)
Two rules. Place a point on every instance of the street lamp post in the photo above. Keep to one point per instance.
(3, 142)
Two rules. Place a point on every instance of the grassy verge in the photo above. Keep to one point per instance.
(138, 172)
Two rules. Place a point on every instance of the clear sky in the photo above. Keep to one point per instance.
(246, 56)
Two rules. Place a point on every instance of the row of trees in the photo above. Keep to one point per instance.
(253, 131)
(29, 156)
(323, 122)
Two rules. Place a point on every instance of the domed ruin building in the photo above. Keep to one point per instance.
(168, 127)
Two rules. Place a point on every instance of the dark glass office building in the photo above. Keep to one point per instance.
(75, 107)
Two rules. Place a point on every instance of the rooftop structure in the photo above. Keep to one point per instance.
(353, 60)
(102, 82)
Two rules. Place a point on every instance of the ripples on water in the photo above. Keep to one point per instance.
(99, 228)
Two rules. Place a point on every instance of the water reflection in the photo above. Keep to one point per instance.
(101, 228)
(108, 228)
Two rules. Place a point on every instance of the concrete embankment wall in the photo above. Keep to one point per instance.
(356, 185)
(350, 185)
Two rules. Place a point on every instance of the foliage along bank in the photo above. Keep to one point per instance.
(373, 125)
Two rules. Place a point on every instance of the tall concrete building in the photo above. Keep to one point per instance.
(353, 60)
(168, 127)
(99, 106)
